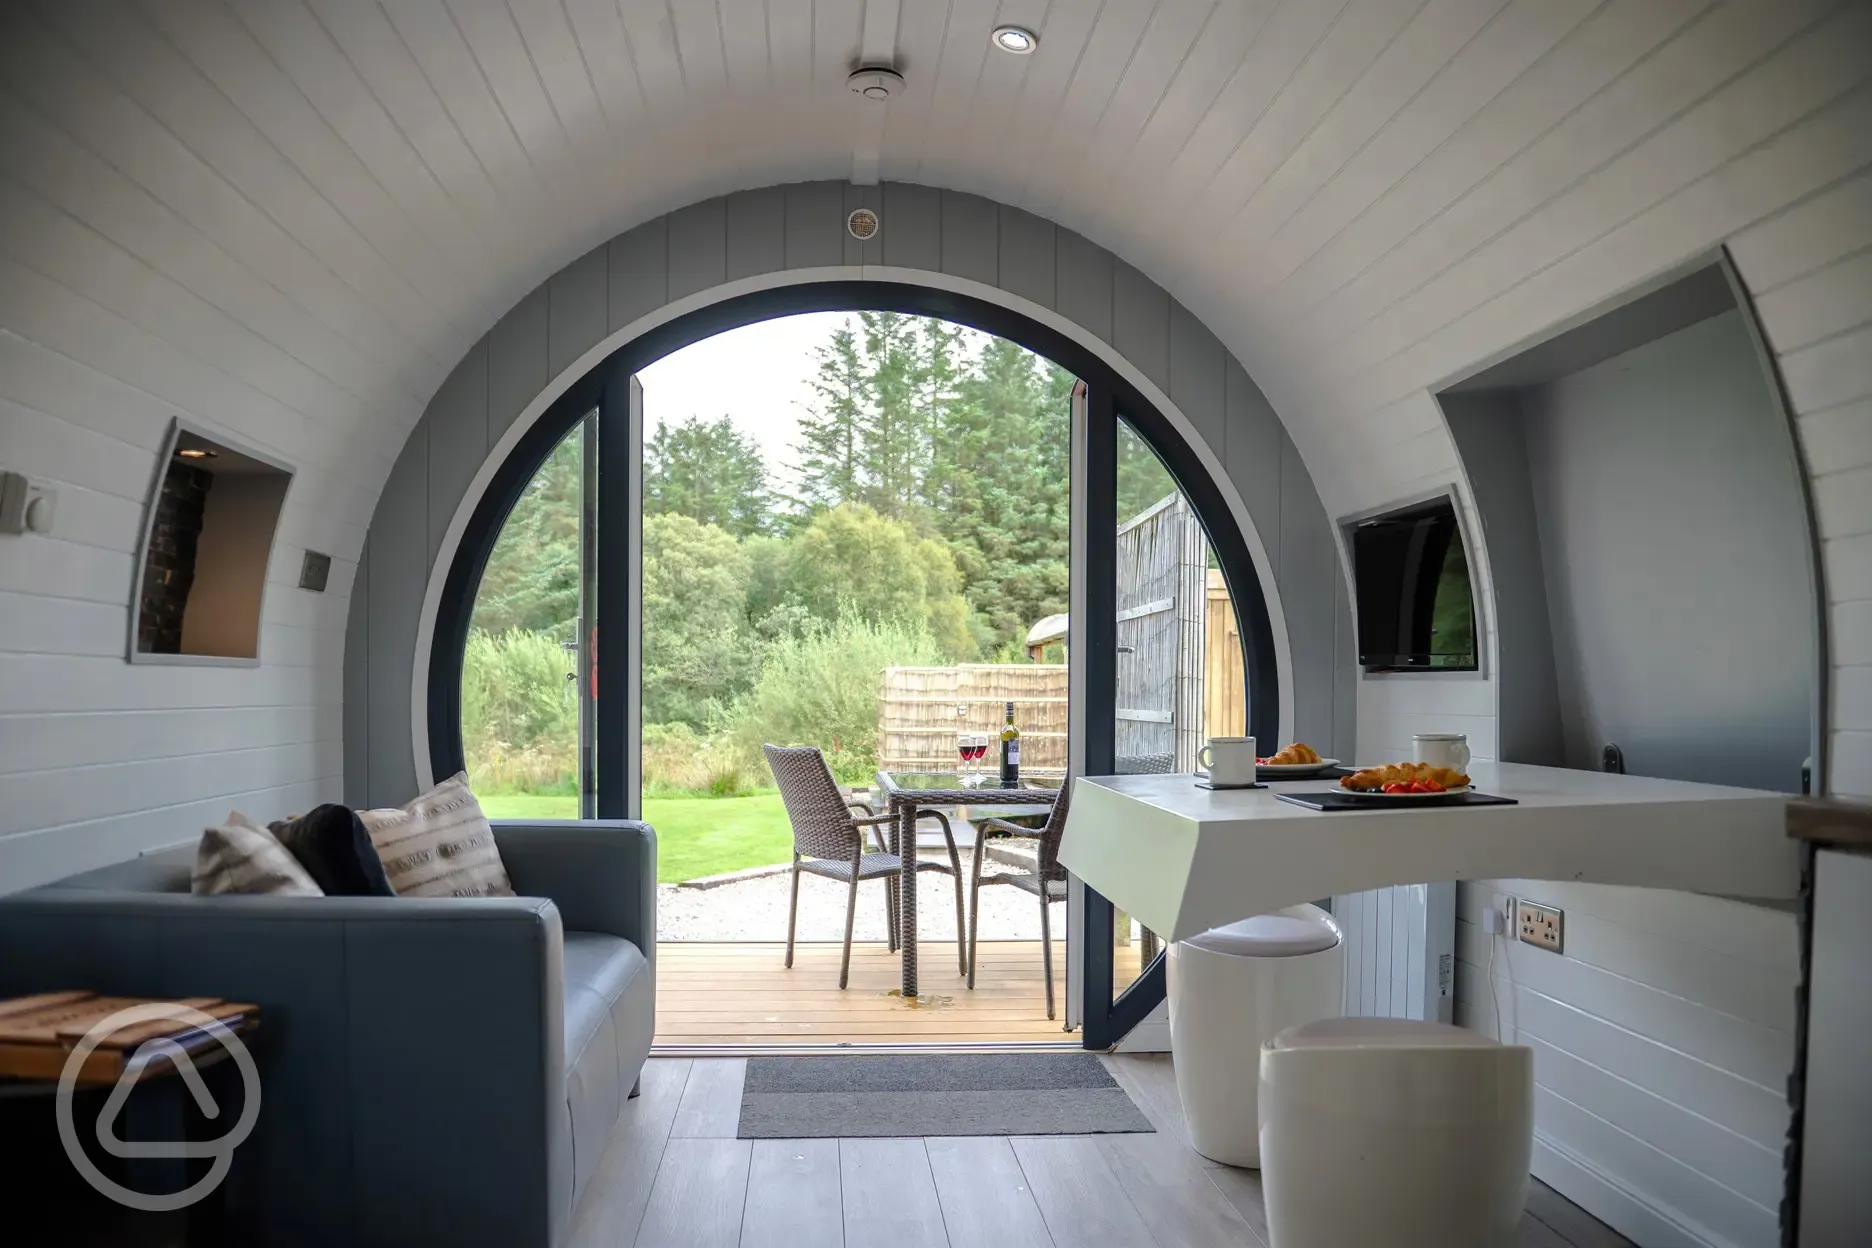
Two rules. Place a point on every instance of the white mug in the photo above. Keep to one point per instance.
(1442, 749)
(1230, 760)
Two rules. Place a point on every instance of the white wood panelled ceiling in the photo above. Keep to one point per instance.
(329, 200)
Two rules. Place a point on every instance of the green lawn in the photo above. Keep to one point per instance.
(696, 836)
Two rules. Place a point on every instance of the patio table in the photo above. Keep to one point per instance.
(911, 792)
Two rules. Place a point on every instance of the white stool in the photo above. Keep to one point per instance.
(1396, 1132)
(1230, 989)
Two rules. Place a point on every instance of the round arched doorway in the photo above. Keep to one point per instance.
(1109, 407)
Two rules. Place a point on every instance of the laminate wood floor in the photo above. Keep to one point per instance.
(675, 1177)
(721, 993)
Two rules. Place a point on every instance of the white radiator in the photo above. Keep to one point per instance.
(1400, 951)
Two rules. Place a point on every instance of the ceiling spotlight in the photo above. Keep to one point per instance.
(1016, 39)
(196, 452)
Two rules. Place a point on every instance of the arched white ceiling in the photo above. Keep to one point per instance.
(288, 219)
(1360, 196)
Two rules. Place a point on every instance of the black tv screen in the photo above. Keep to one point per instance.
(1416, 610)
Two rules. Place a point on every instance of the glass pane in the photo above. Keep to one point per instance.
(856, 536)
(520, 692)
(1179, 662)
(1225, 686)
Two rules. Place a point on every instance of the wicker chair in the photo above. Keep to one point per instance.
(828, 840)
(1048, 882)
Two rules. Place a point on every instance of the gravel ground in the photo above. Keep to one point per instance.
(757, 910)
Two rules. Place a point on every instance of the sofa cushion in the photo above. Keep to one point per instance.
(607, 983)
(439, 844)
(240, 856)
(333, 846)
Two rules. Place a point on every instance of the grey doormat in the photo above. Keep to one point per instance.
(949, 1094)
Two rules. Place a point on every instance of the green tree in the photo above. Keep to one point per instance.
(852, 560)
(710, 472)
(821, 688)
(698, 652)
(1002, 503)
(895, 424)
(1143, 481)
(831, 446)
(532, 576)
(944, 362)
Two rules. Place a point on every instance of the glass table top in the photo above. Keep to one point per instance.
(949, 781)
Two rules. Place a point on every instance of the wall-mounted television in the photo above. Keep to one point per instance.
(1416, 607)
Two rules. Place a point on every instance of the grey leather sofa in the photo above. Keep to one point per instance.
(433, 1071)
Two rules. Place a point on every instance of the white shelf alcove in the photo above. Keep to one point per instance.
(201, 567)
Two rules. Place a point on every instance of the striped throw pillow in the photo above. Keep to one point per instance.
(240, 856)
(439, 845)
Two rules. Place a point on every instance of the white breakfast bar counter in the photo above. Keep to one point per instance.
(1182, 859)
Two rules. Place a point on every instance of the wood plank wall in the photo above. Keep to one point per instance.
(802, 227)
(1664, 1036)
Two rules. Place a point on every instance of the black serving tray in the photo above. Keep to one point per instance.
(1277, 777)
(1346, 801)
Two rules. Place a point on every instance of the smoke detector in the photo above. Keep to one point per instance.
(875, 82)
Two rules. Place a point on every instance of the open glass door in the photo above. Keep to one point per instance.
(617, 668)
(526, 668)
(1161, 668)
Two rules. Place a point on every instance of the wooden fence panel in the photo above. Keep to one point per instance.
(1162, 619)
(921, 709)
(1225, 701)
(1180, 669)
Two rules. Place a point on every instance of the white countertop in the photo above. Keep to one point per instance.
(1183, 859)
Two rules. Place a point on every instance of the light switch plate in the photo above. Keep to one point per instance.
(314, 571)
(1541, 926)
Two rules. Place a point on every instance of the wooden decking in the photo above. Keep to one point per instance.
(711, 993)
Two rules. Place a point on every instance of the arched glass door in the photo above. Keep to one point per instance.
(1157, 656)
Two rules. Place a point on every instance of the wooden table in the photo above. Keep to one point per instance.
(1183, 860)
(911, 792)
(39, 1033)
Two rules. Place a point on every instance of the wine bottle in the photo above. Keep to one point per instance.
(1010, 751)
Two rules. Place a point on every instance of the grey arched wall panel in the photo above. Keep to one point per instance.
(800, 227)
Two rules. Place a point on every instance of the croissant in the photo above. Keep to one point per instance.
(1374, 779)
(1294, 754)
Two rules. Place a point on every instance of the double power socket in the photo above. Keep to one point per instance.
(1529, 922)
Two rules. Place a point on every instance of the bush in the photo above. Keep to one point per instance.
(821, 688)
(698, 654)
(519, 713)
(677, 760)
(852, 560)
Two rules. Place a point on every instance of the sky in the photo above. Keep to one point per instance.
(759, 374)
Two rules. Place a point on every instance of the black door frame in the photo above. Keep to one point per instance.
(607, 389)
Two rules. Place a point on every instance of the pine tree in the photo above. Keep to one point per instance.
(709, 471)
(892, 431)
(831, 459)
(944, 361)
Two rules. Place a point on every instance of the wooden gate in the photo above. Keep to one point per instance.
(1162, 576)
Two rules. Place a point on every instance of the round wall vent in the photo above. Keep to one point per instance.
(875, 82)
(862, 224)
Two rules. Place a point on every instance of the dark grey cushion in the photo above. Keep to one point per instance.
(334, 847)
